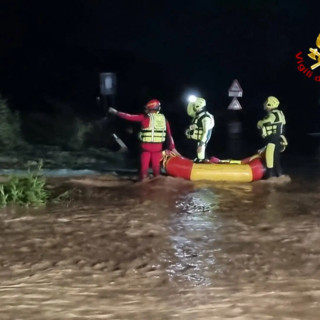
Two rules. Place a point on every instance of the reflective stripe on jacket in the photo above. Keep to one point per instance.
(196, 130)
(156, 131)
(272, 124)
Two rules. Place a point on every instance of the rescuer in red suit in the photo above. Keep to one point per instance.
(155, 131)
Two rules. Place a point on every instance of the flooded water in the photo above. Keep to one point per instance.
(166, 249)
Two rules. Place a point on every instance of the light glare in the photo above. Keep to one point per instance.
(192, 98)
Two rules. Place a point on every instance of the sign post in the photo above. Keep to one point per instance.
(235, 91)
(234, 124)
(108, 86)
(108, 83)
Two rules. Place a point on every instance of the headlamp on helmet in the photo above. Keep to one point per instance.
(192, 98)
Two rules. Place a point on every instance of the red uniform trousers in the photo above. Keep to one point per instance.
(151, 153)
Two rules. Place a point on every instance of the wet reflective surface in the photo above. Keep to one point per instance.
(166, 249)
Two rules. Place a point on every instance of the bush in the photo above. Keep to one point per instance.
(67, 132)
(10, 132)
(79, 134)
(28, 190)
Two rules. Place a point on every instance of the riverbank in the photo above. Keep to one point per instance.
(101, 160)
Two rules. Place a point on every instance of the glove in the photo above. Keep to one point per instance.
(112, 111)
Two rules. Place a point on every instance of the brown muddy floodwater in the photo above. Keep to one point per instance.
(165, 249)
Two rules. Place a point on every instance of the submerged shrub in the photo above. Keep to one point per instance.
(66, 131)
(79, 133)
(28, 190)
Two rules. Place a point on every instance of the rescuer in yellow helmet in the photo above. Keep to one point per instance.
(200, 129)
(272, 131)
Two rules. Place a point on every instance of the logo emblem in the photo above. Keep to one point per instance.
(314, 55)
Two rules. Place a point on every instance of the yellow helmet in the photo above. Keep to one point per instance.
(271, 103)
(196, 106)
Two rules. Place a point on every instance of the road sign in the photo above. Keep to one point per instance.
(235, 90)
(107, 83)
(235, 105)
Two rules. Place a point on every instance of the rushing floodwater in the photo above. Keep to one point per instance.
(166, 249)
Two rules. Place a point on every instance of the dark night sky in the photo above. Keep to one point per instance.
(54, 50)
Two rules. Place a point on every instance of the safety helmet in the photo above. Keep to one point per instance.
(271, 103)
(153, 105)
(196, 106)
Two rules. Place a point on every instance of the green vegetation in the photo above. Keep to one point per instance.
(28, 190)
(78, 135)
(66, 131)
(58, 126)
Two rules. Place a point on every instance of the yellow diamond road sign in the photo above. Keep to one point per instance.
(235, 105)
(235, 90)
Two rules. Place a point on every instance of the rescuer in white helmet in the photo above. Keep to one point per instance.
(200, 129)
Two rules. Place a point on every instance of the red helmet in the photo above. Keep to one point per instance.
(153, 104)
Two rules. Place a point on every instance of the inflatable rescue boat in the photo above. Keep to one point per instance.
(245, 170)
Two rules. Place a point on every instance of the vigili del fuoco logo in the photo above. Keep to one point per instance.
(314, 55)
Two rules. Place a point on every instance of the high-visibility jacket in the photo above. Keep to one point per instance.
(273, 124)
(145, 121)
(201, 124)
(156, 131)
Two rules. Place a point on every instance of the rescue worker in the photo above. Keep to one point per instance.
(200, 129)
(155, 129)
(272, 131)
